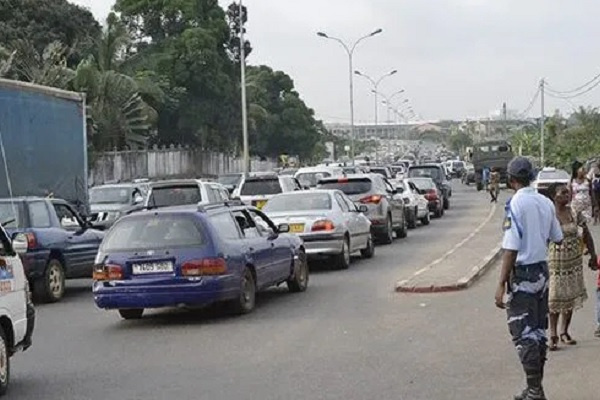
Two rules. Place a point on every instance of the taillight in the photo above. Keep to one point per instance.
(109, 272)
(324, 225)
(374, 199)
(431, 195)
(28, 237)
(207, 266)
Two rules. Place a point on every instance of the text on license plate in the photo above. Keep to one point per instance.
(153, 268)
(297, 228)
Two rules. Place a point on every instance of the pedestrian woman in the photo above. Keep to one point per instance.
(581, 190)
(494, 184)
(567, 291)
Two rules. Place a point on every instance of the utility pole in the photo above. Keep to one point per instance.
(243, 84)
(504, 120)
(542, 123)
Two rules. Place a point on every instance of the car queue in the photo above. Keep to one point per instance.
(193, 243)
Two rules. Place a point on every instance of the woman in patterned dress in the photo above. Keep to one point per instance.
(581, 189)
(565, 261)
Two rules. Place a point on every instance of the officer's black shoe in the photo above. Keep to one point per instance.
(531, 394)
(522, 395)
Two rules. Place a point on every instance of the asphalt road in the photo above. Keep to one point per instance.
(350, 336)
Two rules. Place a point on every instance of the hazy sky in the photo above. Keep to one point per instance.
(455, 58)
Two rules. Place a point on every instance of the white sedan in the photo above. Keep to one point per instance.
(548, 176)
(415, 204)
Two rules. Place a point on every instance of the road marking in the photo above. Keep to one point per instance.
(454, 249)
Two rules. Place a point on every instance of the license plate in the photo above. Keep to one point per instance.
(260, 204)
(296, 228)
(152, 268)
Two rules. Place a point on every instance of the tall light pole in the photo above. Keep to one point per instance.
(244, 100)
(388, 101)
(542, 123)
(350, 52)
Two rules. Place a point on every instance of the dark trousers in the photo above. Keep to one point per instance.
(527, 311)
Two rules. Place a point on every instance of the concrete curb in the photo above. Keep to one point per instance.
(463, 283)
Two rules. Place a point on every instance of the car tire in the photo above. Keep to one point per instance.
(51, 287)
(388, 236)
(479, 187)
(4, 363)
(446, 204)
(343, 259)
(131, 313)
(246, 301)
(369, 251)
(412, 220)
(403, 231)
(299, 281)
(426, 220)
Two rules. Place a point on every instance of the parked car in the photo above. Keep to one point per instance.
(308, 177)
(194, 257)
(468, 175)
(108, 203)
(17, 314)
(398, 171)
(547, 176)
(185, 192)
(456, 168)
(257, 189)
(433, 194)
(385, 206)
(415, 204)
(328, 222)
(438, 175)
(386, 172)
(60, 243)
(230, 181)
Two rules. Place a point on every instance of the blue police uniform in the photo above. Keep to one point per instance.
(530, 224)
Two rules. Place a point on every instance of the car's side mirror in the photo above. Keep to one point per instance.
(283, 228)
(19, 243)
(362, 208)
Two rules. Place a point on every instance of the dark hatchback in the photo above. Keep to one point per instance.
(437, 173)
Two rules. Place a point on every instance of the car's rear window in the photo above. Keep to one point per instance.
(428, 172)
(349, 187)
(300, 201)
(256, 187)
(557, 175)
(8, 218)
(311, 178)
(423, 184)
(151, 232)
(177, 195)
(458, 164)
(381, 171)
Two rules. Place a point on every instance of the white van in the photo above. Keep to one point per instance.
(17, 314)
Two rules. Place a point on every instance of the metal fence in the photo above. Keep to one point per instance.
(166, 163)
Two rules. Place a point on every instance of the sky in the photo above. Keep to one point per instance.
(455, 59)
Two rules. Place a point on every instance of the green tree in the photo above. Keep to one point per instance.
(459, 141)
(42, 22)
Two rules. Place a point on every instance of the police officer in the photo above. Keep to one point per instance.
(530, 223)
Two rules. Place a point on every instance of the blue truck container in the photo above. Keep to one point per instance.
(43, 133)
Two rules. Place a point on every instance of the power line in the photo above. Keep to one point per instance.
(567, 92)
(525, 112)
(561, 96)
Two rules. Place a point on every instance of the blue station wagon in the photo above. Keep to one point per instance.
(194, 257)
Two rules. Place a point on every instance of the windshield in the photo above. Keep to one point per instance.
(299, 202)
(431, 172)
(106, 195)
(168, 196)
(261, 187)
(8, 219)
(311, 179)
(558, 175)
(229, 180)
(151, 232)
(423, 184)
(349, 187)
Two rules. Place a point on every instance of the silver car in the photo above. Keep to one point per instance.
(327, 220)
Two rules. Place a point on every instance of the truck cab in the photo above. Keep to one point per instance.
(493, 154)
(17, 314)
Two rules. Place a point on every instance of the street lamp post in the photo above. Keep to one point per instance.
(350, 51)
(244, 99)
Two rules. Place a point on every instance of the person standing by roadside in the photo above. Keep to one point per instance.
(530, 223)
(494, 184)
(485, 177)
(567, 291)
(581, 190)
(596, 195)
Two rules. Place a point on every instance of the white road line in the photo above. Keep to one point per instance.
(456, 247)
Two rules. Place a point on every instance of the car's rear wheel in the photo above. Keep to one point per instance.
(426, 219)
(131, 313)
(51, 287)
(369, 251)
(4, 363)
(402, 232)
(412, 220)
(388, 236)
(246, 301)
(446, 204)
(299, 282)
(343, 259)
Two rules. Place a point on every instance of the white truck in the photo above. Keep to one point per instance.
(17, 315)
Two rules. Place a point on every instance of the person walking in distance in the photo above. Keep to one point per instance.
(530, 223)
(494, 184)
